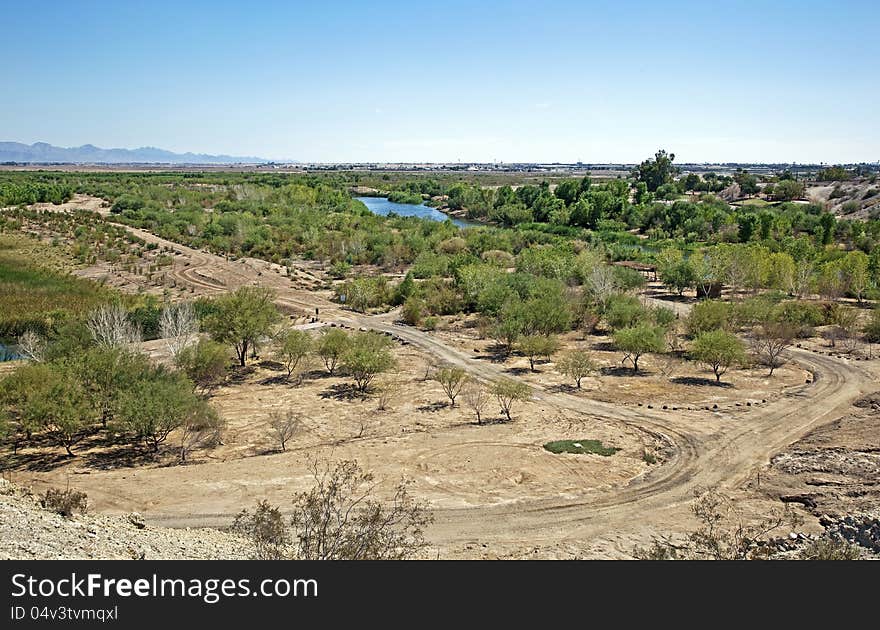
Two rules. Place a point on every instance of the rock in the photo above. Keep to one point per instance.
(137, 520)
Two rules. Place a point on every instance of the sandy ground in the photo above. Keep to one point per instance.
(493, 490)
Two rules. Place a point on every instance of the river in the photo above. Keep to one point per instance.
(381, 206)
(8, 353)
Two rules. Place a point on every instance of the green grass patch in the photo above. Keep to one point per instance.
(755, 202)
(579, 447)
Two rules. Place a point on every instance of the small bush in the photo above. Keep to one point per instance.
(65, 502)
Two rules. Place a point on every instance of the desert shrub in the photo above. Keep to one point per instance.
(872, 328)
(829, 549)
(804, 316)
(65, 502)
(413, 310)
(338, 519)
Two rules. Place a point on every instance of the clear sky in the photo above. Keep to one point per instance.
(382, 80)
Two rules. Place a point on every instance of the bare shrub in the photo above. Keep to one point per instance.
(338, 520)
(770, 341)
(200, 432)
(386, 391)
(283, 425)
(476, 397)
(266, 530)
(65, 502)
(723, 533)
(829, 549)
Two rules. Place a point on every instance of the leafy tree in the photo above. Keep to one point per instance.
(294, 349)
(204, 363)
(748, 222)
(512, 323)
(413, 310)
(639, 340)
(787, 190)
(656, 172)
(368, 354)
(242, 318)
(748, 183)
(451, 379)
(676, 273)
(624, 311)
(718, 349)
(856, 269)
(331, 346)
(576, 364)
(105, 372)
(534, 346)
(507, 392)
(64, 408)
(152, 408)
(709, 315)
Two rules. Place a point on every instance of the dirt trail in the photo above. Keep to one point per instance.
(705, 449)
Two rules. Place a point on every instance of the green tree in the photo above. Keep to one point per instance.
(451, 379)
(64, 407)
(152, 408)
(676, 272)
(368, 354)
(331, 346)
(719, 350)
(243, 318)
(105, 372)
(204, 363)
(294, 349)
(656, 172)
(639, 340)
(709, 315)
(856, 269)
(534, 346)
(787, 190)
(507, 392)
(576, 365)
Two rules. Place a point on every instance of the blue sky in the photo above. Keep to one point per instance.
(444, 81)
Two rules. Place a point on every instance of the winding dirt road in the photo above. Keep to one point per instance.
(704, 449)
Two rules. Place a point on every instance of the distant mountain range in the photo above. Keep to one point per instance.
(41, 153)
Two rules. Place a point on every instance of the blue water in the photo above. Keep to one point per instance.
(381, 206)
(8, 353)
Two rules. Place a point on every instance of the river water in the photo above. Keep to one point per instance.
(8, 353)
(381, 206)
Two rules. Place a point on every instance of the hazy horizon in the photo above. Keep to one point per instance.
(780, 82)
